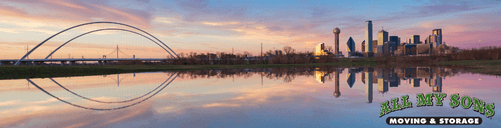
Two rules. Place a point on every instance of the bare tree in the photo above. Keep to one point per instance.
(289, 50)
(330, 49)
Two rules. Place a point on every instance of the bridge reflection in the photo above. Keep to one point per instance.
(160, 88)
(383, 78)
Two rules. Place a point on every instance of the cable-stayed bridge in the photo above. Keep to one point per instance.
(74, 61)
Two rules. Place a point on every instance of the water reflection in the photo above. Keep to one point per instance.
(163, 85)
(299, 96)
(383, 78)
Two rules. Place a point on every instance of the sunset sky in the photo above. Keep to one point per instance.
(218, 26)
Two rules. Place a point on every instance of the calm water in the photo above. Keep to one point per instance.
(283, 97)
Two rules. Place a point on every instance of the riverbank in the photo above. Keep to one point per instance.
(492, 67)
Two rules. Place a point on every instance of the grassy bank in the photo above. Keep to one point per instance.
(492, 67)
(23, 72)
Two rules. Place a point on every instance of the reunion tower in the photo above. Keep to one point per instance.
(336, 32)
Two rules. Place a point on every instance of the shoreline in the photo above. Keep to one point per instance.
(489, 67)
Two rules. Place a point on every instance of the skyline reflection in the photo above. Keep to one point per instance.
(232, 98)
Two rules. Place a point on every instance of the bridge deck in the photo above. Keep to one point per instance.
(88, 59)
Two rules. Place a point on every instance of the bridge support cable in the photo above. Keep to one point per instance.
(124, 53)
(100, 22)
(103, 109)
(119, 29)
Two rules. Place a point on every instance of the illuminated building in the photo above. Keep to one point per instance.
(415, 82)
(438, 33)
(368, 87)
(350, 45)
(350, 79)
(382, 37)
(382, 86)
(436, 38)
(319, 50)
(368, 36)
(320, 76)
(414, 39)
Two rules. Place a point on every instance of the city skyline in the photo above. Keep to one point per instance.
(243, 25)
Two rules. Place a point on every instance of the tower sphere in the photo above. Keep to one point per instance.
(336, 31)
(337, 94)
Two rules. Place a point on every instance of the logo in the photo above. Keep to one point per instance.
(423, 100)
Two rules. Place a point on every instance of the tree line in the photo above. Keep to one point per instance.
(287, 55)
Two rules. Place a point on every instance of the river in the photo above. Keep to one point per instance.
(274, 97)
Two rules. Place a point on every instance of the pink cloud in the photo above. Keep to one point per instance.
(75, 11)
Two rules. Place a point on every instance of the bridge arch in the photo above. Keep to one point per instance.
(108, 109)
(89, 23)
(97, 30)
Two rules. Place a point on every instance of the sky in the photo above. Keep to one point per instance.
(219, 26)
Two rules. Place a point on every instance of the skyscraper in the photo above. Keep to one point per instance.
(415, 82)
(393, 43)
(382, 86)
(438, 84)
(414, 39)
(395, 39)
(350, 45)
(438, 32)
(363, 46)
(368, 36)
(382, 36)
(350, 79)
(437, 38)
(368, 87)
(427, 40)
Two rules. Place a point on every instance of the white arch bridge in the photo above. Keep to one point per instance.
(99, 60)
